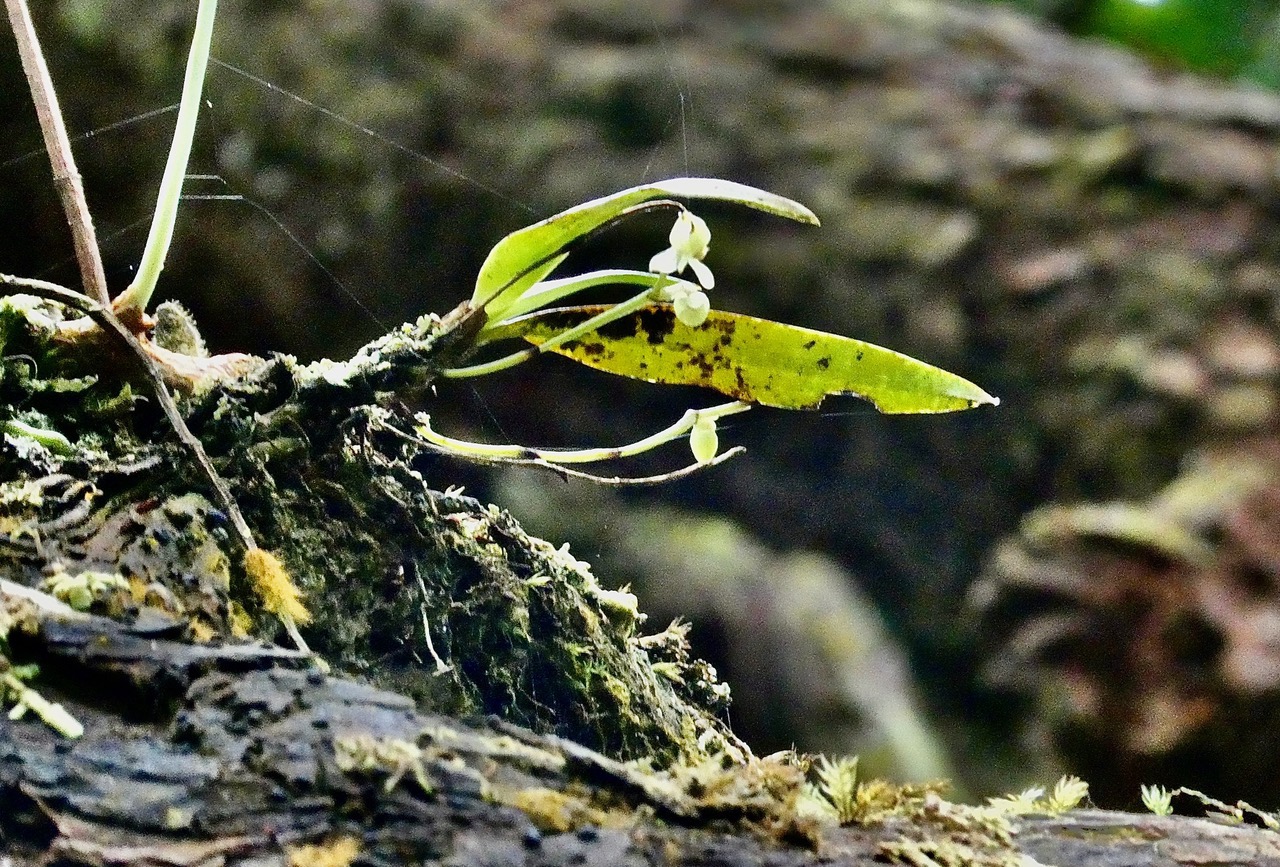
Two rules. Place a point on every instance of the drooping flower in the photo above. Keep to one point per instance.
(690, 239)
(691, 305)
(703, 439)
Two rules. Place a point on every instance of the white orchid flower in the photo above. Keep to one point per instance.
(690, 239)
(692, 305)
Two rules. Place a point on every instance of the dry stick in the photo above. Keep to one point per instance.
(66, 177)
(108, 321)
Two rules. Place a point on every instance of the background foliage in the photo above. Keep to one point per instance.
(1231, 38)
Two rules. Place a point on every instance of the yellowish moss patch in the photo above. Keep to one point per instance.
(336, 852)
(279, 594)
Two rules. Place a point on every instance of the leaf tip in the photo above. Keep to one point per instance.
(973, 395)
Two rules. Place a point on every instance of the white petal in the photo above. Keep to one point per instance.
(665, 262)
(677, 291)
(699, 236)
(681, 230)
(705, 277)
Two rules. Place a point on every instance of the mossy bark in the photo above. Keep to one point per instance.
(436, 594)
(200, 754)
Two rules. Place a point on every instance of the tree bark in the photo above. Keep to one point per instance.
(234, 755)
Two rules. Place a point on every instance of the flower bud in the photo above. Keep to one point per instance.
(703, 439)
(692, 308)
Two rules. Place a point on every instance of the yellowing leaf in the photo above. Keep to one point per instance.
(754, 360)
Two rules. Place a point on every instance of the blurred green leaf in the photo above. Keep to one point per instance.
(1214, 36)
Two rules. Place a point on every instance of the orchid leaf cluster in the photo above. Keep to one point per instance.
(667, 331)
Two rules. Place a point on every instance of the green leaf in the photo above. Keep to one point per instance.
(754, 360)
(551, 291)
(526, 256)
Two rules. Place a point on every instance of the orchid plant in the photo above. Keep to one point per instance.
(665, 332)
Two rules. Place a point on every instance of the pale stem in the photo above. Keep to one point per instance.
(549, 291)
(138, 295)
(614, 313)
(578, 456)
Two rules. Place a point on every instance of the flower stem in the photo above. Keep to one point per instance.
(577, 456)
(614, 313)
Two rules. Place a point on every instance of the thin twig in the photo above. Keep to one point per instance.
(66, 177)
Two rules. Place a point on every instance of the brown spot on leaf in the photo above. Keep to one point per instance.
(656, 322)
(824, 362)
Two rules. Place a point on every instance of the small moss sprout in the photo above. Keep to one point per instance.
(1067, 794)
(279, 594)
(81, 589)
(1157, 799)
